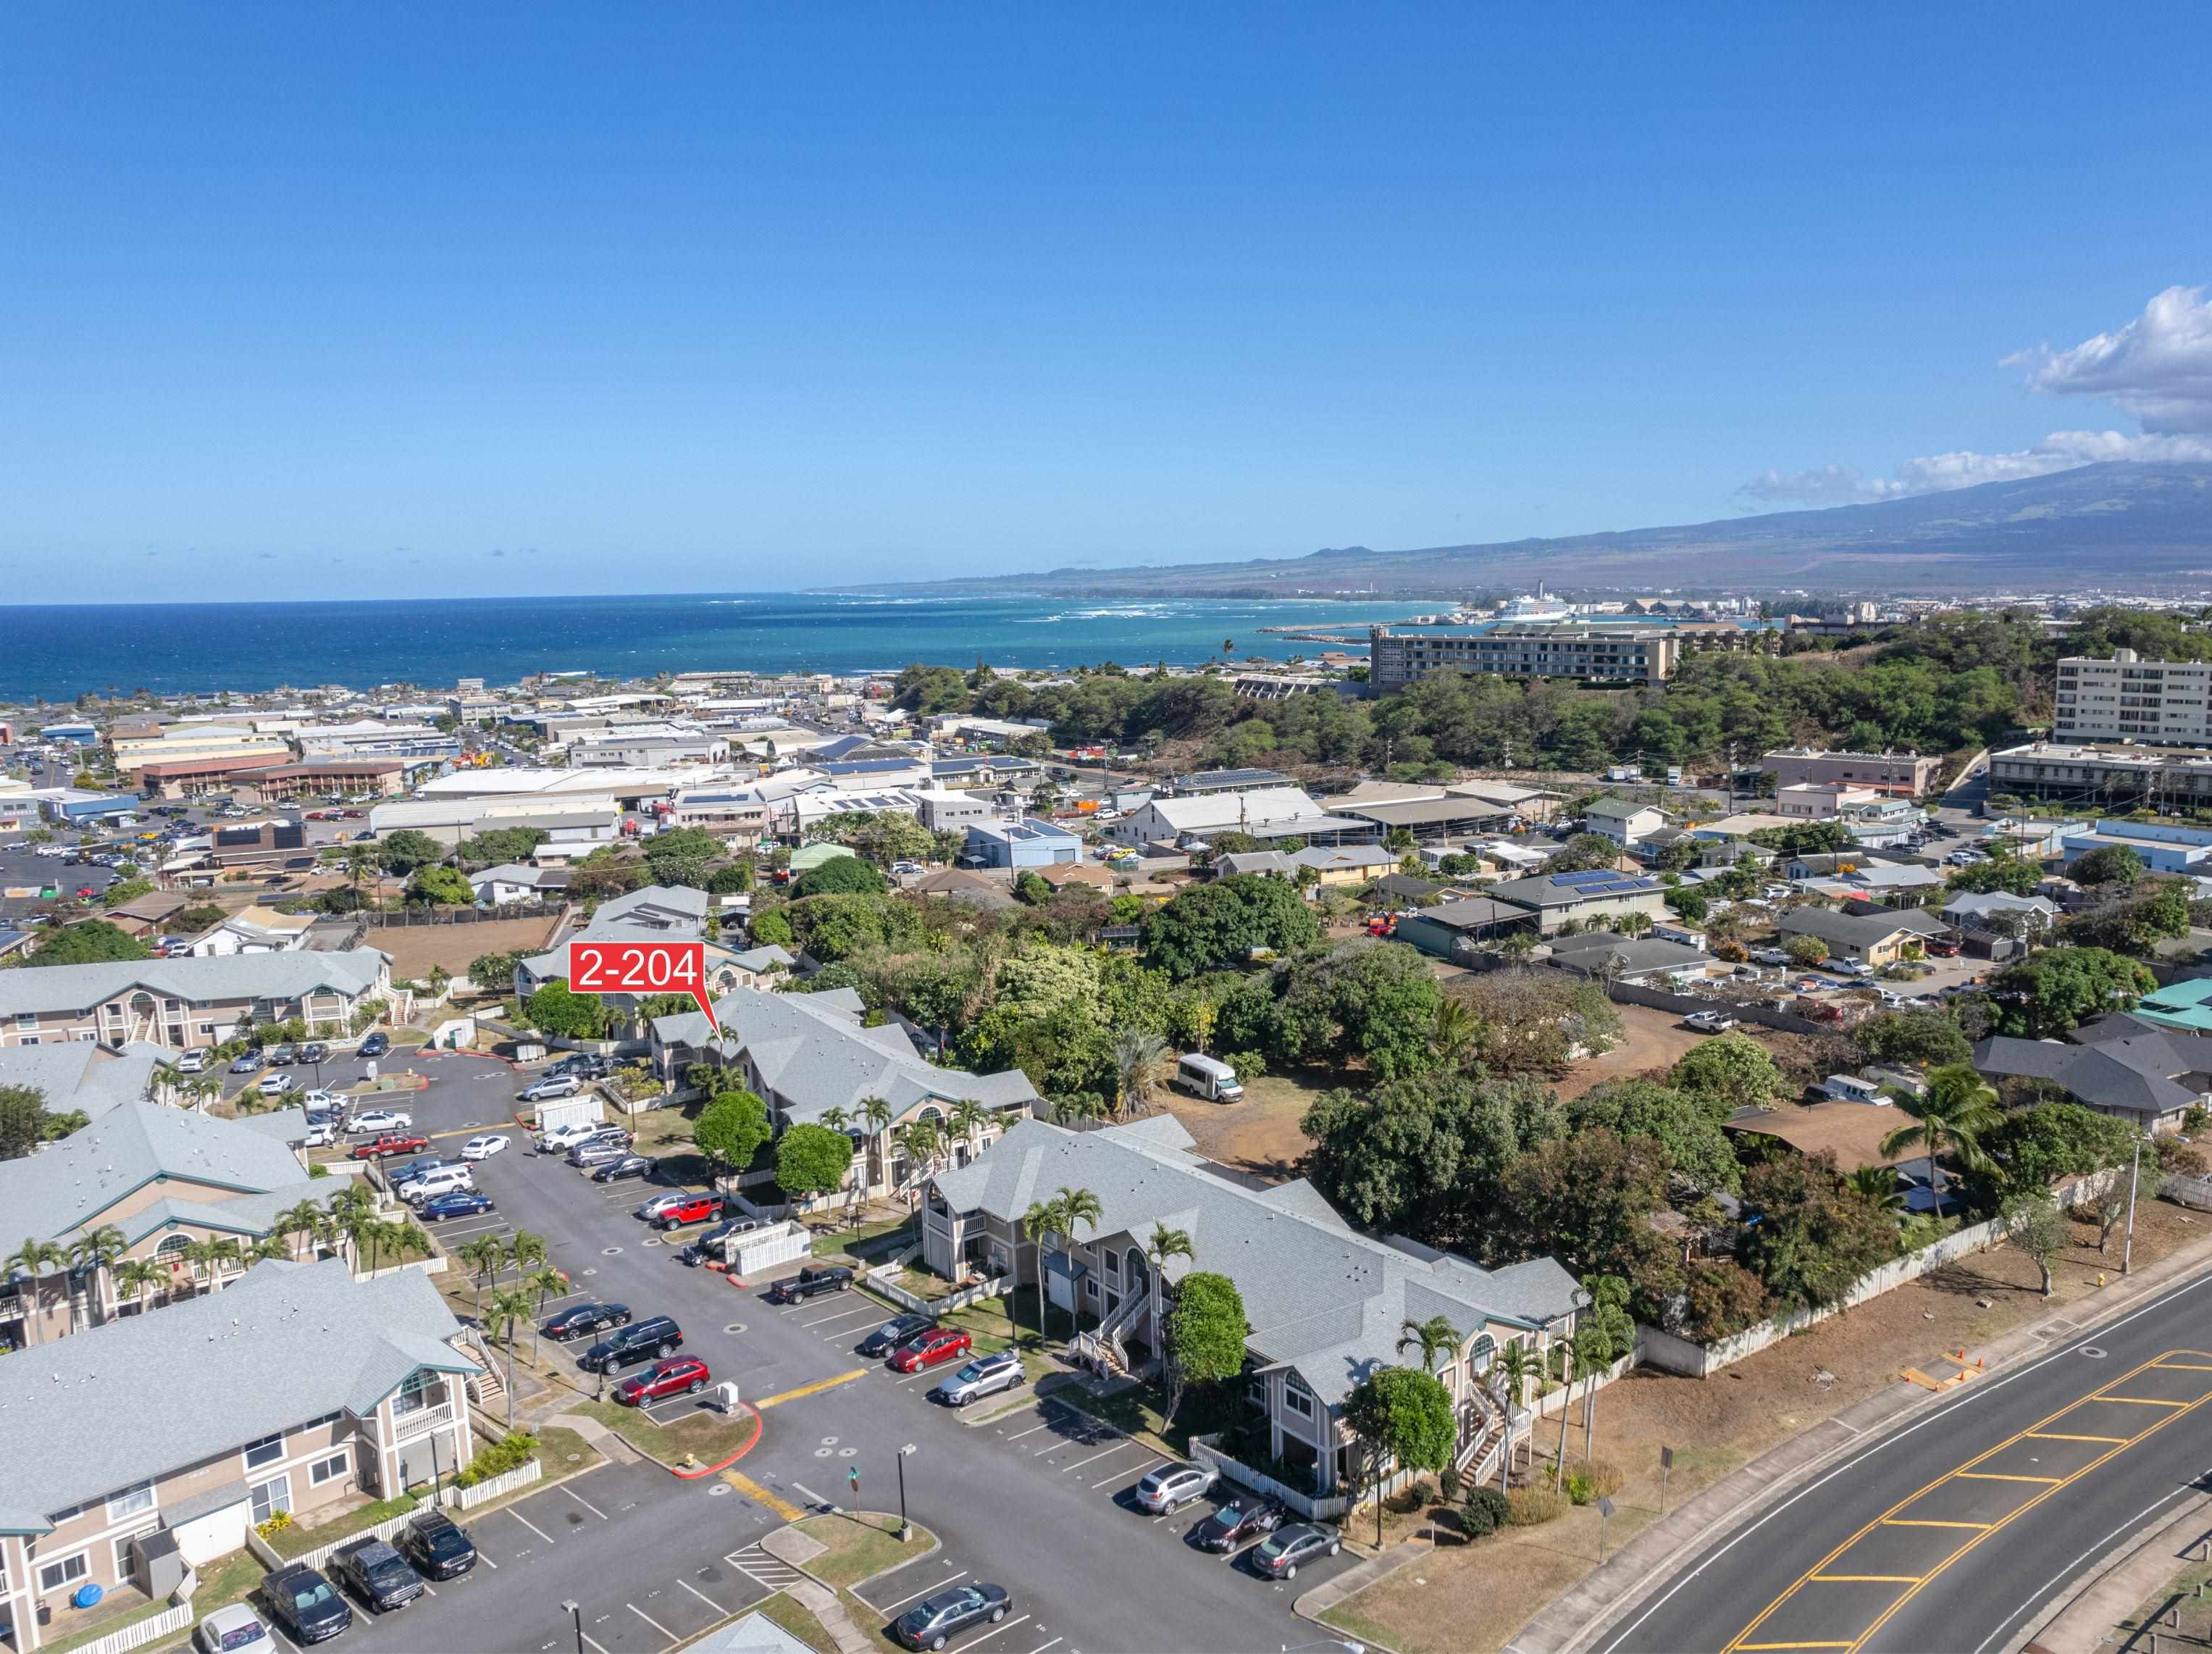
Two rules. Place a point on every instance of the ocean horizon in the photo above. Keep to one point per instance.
(56, 652)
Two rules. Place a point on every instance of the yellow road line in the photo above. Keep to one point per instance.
(2050, 1488)
(1866, 1579)
(1751, 1645)
(814, 1389)
(2053, 1435)
(2182, 1366)
(1922, 1522)
(752, 1489)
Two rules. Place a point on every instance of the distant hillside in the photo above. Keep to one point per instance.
(2116, 524)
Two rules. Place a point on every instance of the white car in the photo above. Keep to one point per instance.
(1770, 956)
(483, 1147)
(276, 1084)
(192, 1062)
(1709, 1022)
(319, 1098)
(1848, 967)
(233, 1630)
(373, 1121)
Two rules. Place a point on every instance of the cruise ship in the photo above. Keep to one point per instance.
(1543, 606)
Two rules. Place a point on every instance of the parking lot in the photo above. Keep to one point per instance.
(1037, 1499)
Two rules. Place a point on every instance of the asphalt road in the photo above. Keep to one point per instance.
(1037, 1500)
(1949, 1533)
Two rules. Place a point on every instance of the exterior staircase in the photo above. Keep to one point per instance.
(1482, 1424)
(1103, 1347)
(487, 1388)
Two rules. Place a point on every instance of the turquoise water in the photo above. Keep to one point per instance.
(57, 652)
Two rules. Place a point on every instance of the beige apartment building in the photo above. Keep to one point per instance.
(2127, 698)
(178, 742)
(189, 1003)
(1902, 774)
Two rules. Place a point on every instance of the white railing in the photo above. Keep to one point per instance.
(1313, 1507)
(879, 1282)
(270, 1558)
(409, 1424)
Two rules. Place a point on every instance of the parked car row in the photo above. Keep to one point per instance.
(305, 1605)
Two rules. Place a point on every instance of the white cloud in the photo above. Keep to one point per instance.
(2158, 368)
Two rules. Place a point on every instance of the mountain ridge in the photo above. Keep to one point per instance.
(2120, 523)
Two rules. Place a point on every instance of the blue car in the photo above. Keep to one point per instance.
(458, 1204)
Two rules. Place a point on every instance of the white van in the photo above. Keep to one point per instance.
(1209, 1077)
(445, 1180)
(1850, 1088)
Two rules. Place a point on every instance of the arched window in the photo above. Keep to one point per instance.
(1478, 1356)
(172, 1246)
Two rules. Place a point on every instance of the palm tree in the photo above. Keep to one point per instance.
(483, 1256)
(525, 1251)
(226, 1254)
(1037, 1222)
(1453, 1033)
(1434, 1337)
(1957, 1108)
(1510, 1372)
(1879, 1187)
(1071, 1207)
(546, 1283)
(1165, 1244)
(201, 1256)
(359, 859)
(1571, 1363)
(92, 1252)
(1137, 1052)
(509, 1306)
(267, 1250)
(34, 1258)
(139, 1276)
(304, 1219)
(878, 1115)
(967, 1121)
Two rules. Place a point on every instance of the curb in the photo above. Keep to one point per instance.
(1313, 1603)
(1587, 1608)
(2084, 1610)
(711, 1469)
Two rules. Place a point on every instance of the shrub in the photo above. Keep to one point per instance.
(275, 1525)
(2179, 1159)
(1420, 1494)
(1605, 1478)
(1578, 1487)
(1487, 1511)
(1448, 1485)
(509, 1452)
(1530, 1507)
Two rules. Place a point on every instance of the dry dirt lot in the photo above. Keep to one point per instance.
(1650, 1039)
(414, 948)
(1260, 1136)
(1468, 1599)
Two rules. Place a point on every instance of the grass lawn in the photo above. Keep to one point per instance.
(787, 1612)
(708, 1436)
(227, 1581)
(871, 1243)
(562, 1451)
(1140, 1410)
(298, 1538)
(861, 1546)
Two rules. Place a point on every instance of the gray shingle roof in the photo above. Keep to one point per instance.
(814, 1052)
(1859, 930)
(91, 1079)
(1320, 1295)
(2120, 1068)
(49, 989)
(49, 1194)
(118, 1404)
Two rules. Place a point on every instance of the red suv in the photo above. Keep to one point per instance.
(679, 1375)
(381, 1147)
(929, 1349)
(698, 1209)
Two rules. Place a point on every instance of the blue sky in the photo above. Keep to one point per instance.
(341, 301)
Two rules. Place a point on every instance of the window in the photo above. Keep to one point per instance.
(60, 1576)
(271, 1497)
(329, 1469)
(57, 1517)
(129, 1501)
(267, 1451)
(1297, 1396)
(411, 1397)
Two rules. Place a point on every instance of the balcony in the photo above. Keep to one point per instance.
(423, 1419)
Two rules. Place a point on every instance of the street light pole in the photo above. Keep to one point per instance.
(576, 1614)
(906, 1527)
(2135, 1169)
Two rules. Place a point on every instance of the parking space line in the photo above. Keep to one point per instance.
(893, 1607)
(1095, 1457)
(593, 1641)
(528, 1524)
(1118, 1475)
(702, 1596)
(655, 1624)
(581, 1501)
(1041, 1647)
(995, 1631)
(1033, 1429)
(842, 1315)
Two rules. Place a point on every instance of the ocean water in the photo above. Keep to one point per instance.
(57, 652)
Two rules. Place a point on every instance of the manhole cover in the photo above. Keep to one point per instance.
(591, 1272)
(2094, 1351)
(653, 1243)
(609, 1251)
(715, 1492)
(735, 1327)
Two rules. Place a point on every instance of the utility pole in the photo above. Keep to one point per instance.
(2128, 1248)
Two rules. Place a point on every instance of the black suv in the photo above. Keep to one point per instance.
(438, 1546)
(314, 1051)
(376, 1045)
(380, 1576)
(894, 1333)
(306, 1607)
(814, 1279)
(627, 1345)
(579, 1319)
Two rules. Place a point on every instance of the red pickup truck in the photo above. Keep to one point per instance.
(381, 1147)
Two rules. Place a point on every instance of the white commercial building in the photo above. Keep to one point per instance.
(2126, 698)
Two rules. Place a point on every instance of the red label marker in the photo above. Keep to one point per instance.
(642, 968)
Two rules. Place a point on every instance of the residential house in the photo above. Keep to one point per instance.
(1342, 865)
(1822, 800)
(1743, 825)
(1583, 899)
(1327, 1306)
(1027, 842)
(1888, 881)
(1627, 958)
(659, 913)
(297, 1390)
(2185, 1006)
(1267, 812)
(809, 1054)
(255, 929)
(1877, 939)
(189, 1003)
(145, 916)
(513, 885)
(1622, 821)
(1091, 875)
(2135, 1069)
(82, 1076)
(1233, 862)
(167, 1178)
(1973, 911)
(965, 887)
(1452, 931)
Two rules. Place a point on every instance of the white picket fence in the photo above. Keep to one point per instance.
(452, 1498)
(155, 1626)
(883, 1281)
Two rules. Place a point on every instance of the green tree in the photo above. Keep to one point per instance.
(1687, 1127)
(1205, 1332)
(1815, 1237)
(2010, 875)
(405, 850)
(35, 1259)
(2114, 864)
(2028, 1150)
(1404, 1416)
(1589, 1201)
(773, 925)
(444, 887)
(1732, 1072)
(1220, 925)
(22, 1120)
(731, 1129)
(2034, 1225)
(125, 890)
(90, 941)
(841, 875)
(200, 916)
(1434, 1339)
(1584, 852)
(495, 971)
(812, 1160)
(2061, 987)
(557, 1009)
(1377, 1001)
(1805, 951)
(1922, 1038)
(500, 845)
(1031, 890)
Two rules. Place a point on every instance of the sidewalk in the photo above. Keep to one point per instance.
(1586, 1610)
(2085, 1612)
